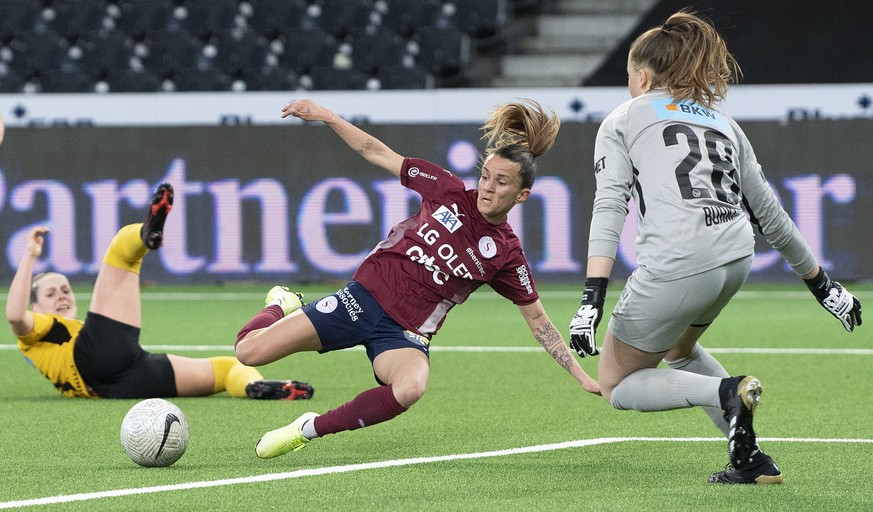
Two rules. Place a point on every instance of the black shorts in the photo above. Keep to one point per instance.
(114, 365)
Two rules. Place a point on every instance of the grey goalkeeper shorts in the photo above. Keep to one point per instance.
(651, 315)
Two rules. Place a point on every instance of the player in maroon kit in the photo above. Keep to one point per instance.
(400, 295)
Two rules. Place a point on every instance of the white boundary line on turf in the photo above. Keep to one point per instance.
(482, 295)
(536, 350)
(51, 500)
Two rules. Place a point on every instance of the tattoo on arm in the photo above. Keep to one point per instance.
(551, 340)
(365, 146)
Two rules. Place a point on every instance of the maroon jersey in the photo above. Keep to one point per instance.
(435, 259)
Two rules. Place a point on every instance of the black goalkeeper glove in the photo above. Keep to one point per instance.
(583, 327)
(835, 299)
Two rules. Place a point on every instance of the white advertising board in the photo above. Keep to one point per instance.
(749, 102)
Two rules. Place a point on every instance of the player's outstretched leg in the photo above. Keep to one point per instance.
(286, 439)
(284, 298)
(152, 232)
(279, 390)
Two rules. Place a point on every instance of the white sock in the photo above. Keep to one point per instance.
(308, 429)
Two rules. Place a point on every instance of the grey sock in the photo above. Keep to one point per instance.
(661, 389)
(701, 362)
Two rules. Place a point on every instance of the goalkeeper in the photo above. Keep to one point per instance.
(690, 170)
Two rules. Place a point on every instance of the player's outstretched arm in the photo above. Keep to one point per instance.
(548, 336)
(834, 298)
(19, 318)
(369, 147)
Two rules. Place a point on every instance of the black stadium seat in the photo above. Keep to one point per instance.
(375, 46)
(10, 80)
(169, 51)
(271, 17)
(305, 49)
(103, 50)
(401, 77)
(65, 80)
(128, 80)
(328, 78)
(445, 52)
(268, 78)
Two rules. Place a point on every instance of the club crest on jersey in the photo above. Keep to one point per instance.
(450, 220)
(487, 247)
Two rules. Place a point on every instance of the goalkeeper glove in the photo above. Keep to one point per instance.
(583, 327)
(835, 299)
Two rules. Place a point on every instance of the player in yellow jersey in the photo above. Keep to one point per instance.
(101, 357)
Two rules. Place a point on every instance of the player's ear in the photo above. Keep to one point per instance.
(522, 196)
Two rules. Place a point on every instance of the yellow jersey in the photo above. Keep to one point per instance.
(49, 348)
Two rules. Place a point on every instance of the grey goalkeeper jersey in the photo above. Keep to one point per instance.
(691, 171)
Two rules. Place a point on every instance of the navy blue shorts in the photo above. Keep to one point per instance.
(352, 316)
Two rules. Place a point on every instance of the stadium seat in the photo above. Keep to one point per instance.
(196, 79)
(327, 78)
(205, 18)
(128, 80)
(268, 78)
(17, 16)
(171, 50)
(374, 46)
(445, 52)
(34, 51)
(271, 17)
(238, 48)
(103, 50)
(305, 49)
(10, 80)
(401, 77)
(71, 18)
(139, 17)
(339, 17)
(483, 20)
(65, 80)
(406, 17)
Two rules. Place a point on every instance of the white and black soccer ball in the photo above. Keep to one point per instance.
(154, 433)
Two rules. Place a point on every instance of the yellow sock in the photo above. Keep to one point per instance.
(232, 376)
(126, 249)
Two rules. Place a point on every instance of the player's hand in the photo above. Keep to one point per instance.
(35, 241)
(583, 327)
(307, 110)
(836, 299)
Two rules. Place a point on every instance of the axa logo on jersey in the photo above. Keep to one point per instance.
(447, 218)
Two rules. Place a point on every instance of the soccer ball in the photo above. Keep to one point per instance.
(154, 433)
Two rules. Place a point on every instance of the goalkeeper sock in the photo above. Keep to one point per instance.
(126, 249)
(232, 376)
(368, 408)
(701, 362)
(267, 317)
(661, 389)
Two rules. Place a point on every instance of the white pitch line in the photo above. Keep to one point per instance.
(271, 477)
(148, 296)
(531, 349)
